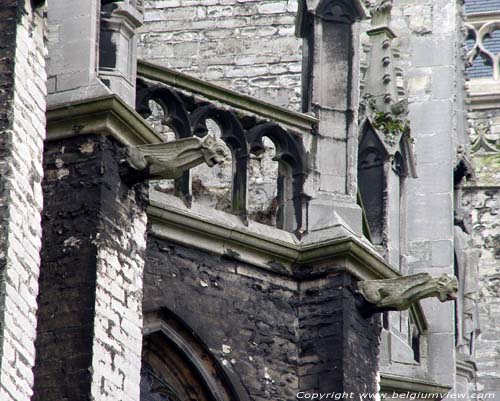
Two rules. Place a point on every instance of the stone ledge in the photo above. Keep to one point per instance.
(403, 384)
(260, 245)
(483, 94)
(268, 248)
(466, 366)
(302, 122)
(107, 115)
(485, 16)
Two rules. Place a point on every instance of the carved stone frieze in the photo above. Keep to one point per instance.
(401, 293)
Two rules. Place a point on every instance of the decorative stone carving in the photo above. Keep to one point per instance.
(467, 261)
(343, 11)
(482, 140)
(479, 32)
(383, 113)
(186, 115)
(401, 293)
(169, 160)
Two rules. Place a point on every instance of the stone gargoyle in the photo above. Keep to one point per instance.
(170, 159)
(400, 293)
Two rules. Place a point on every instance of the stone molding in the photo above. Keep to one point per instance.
(297, 121)
(269, 248)
(260, 245)
(108, 115)
(402, 384)
(483, 94)
(466, 367)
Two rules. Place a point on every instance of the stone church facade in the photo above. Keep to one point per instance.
(247, 200)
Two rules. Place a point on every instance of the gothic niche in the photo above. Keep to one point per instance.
(466, 262)
(176, 366)
(371, 181)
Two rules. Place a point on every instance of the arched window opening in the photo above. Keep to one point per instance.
(415, 340)
(262, 189)
(159, 121)
(166, 375)
(177, 366)
(399, 165)
(275, 178)
(212, 186)
(371, 182)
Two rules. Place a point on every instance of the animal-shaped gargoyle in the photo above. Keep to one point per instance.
(400, 293)
(170, 159)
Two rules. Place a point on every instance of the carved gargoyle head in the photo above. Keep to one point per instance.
(447, 288)
(213, 151)
(400, 293)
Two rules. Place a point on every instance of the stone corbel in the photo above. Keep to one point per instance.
(400, 293)
(170, 159)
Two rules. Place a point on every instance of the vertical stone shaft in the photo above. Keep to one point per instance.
(338, 346)
(90, 317)
(331, 92)
(334, 100)
(22, 130)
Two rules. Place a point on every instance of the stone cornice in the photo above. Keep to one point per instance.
(483, 94)
(107, 115)
(466, 366)
(292, 119)
(485, 16)
(483, 101)
(403, 384)
(269, 248)
(263, 246)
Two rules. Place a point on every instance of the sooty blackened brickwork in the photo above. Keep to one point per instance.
(88, 210)
(339, 346)
(8, 22)
(249, 324)
(279, 336)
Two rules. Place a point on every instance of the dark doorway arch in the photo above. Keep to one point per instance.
(177, 366)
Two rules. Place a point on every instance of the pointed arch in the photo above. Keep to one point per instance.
(371, 179)
(290, 155)
(178, 366)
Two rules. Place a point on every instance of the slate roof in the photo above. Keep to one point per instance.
(478, 6)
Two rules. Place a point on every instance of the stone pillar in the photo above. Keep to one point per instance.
(430, 43)
(331, 92)
(92, 50)
(118, 47)
(90, 317)
(72, 61)
(339, 347)
(22, 130)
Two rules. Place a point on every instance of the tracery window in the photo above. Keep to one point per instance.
(483, 38)
(153, 387)
(176, 366)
